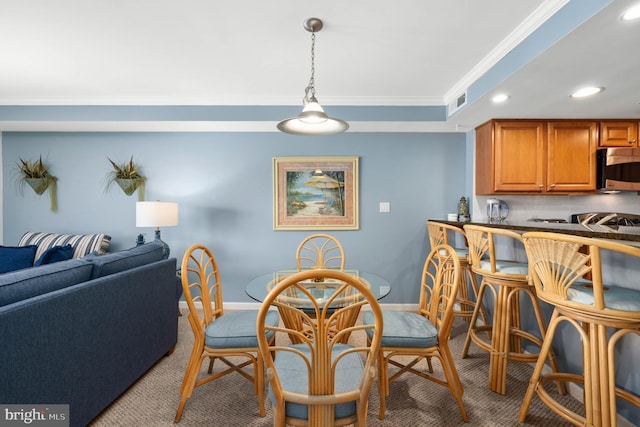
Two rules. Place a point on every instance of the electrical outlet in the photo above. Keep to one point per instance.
(385, 207)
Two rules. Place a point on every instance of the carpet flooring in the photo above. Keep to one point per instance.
(229, 401)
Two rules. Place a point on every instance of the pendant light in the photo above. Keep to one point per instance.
(312, 120)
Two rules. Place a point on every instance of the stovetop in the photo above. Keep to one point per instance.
(607, 218)
(549, 220)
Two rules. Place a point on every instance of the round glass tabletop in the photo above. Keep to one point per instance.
(258, 287)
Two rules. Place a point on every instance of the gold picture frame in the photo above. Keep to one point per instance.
(315, 193)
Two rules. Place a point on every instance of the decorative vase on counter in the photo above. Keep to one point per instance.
(463, 210)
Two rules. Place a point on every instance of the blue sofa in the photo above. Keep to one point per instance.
(81, 331)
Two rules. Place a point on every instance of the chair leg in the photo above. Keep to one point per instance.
(178, 417)
(562, 389)
(383, 382)
(474, 319)
(453, 379)
(188, 383)
(474, 287)
(534, 381)
(259, 383)
(463, 298)
(500, 342)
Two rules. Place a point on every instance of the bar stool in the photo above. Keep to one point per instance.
(558, 265)
(439, 235)
(505, 280)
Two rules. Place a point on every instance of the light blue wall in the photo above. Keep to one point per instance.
(223, 184)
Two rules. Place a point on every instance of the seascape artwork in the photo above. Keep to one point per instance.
(317, 193)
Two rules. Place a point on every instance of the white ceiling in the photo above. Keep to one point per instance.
(256, 52)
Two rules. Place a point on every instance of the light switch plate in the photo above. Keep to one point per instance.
(385, 207)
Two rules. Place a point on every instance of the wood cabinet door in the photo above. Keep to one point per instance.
(571, 149)
(618, 133)
(519, 156)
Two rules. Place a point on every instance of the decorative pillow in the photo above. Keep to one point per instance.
(55, 254)
(16, 257)
(83, 244)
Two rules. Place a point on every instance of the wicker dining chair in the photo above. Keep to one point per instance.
(320, 251)
(218, 335)
(466, 300)
(568, 273)
(423, 335)
(320, 381)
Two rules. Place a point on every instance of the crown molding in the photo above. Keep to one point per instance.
(538, 17)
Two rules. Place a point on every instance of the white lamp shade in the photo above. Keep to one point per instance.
(156, 214)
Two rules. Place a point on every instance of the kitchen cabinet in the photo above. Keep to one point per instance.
(536, 157)
(618, 133)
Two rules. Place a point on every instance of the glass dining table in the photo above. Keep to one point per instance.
(321, 291)
(259, 287)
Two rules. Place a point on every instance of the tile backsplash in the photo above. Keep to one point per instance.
(522, 208)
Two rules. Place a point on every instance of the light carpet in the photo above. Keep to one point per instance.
(229, 401)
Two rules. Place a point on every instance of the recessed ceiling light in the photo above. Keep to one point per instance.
(631, 13)
(500, 98)
(586, 91)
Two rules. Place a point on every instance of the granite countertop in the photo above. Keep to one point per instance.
(631, 234)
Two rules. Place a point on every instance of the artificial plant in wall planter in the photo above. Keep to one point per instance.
(36, 175)
(128, 176)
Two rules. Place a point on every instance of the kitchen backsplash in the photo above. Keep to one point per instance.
(522, 208)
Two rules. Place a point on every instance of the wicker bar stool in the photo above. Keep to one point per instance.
(441, 234)
(601, 314)
(505, 280)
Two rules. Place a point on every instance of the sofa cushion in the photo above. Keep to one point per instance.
(29, 282)
(83, 244)
(16, 257)
(55, 254)
(115, 262)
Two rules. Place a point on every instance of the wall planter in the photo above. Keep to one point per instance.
(129, 186)
(39, 185)
(36, 176)
(128, 177)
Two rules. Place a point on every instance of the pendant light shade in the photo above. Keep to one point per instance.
(312, 120)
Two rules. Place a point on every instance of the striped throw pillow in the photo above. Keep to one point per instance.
(83, 244)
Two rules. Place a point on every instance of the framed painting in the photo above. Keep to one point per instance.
(315, 193)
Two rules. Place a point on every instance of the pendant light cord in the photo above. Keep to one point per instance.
(311, 89)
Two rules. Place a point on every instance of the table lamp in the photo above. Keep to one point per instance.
(157, 214)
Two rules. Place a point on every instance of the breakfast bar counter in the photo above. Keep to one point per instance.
(618, 270)
(626, 233)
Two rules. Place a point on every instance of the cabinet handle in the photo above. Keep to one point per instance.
(633, 141)
(540, 186)
(552, 185)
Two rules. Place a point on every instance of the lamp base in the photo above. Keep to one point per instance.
(165, 247)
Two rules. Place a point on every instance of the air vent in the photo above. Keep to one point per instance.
(457, 103)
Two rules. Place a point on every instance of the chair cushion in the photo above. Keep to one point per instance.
(55, 254)
(294, 377)
(404, 329)
(16, 257)
(506, 267)
(615, 297)
(237, 329)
